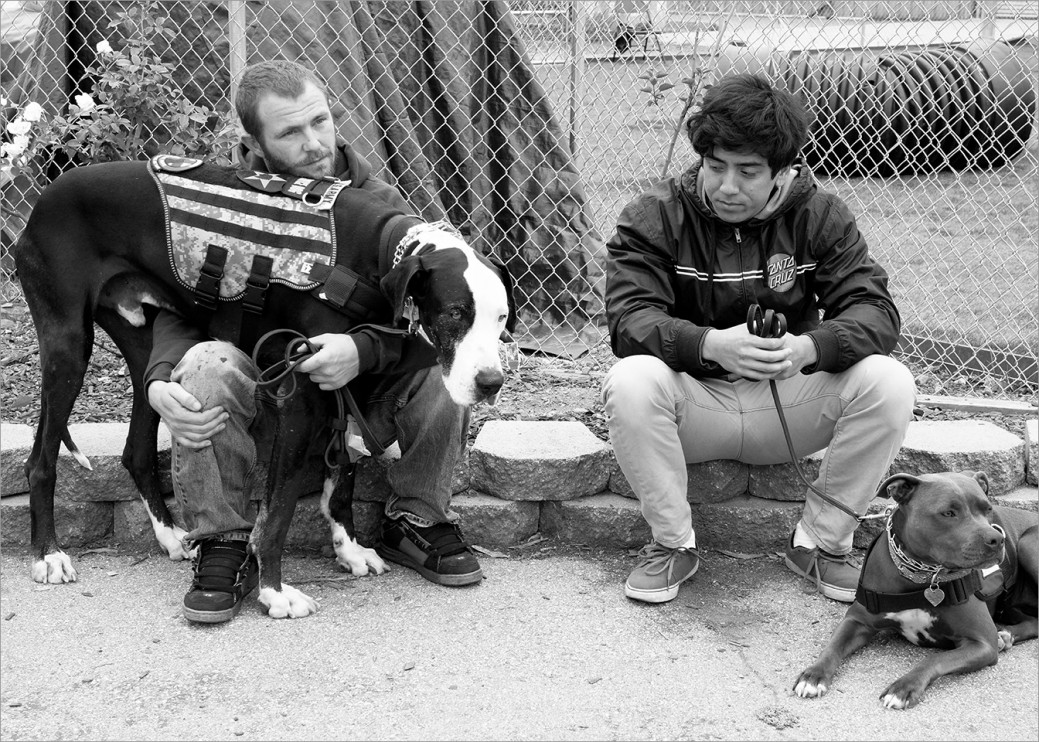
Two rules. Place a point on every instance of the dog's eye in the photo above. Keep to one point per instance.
(455, 313)
(949, 514)
(502, 318)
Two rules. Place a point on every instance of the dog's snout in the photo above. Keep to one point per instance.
(488, 382)
(996, 538)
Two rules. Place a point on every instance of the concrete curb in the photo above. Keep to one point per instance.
(518, 481)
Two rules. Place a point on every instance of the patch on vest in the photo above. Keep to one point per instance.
(174, 163)
(294, 234)
(320, 193)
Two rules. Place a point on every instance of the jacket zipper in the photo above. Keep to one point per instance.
(739, 257)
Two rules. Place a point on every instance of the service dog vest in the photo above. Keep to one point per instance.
(243, 221)
(230, 234)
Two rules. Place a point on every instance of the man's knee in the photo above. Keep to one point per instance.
(216, 370)
(891, 385)
(635, 384)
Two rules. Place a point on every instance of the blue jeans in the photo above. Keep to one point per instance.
(215, 485)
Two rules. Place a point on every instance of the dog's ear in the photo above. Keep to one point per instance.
(898, 487)
(980, 477)
(510, 289)
(403, 280)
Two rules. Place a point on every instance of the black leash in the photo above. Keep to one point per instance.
(770, 324)
(295, 353)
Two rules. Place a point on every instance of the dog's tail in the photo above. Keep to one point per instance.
(78, 455)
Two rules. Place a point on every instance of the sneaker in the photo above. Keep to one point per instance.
(661, 571)
(437, 552)
(834, 576)
(225, 573)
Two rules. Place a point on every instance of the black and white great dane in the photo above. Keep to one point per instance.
(96, 250)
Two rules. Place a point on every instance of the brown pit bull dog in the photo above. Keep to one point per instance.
(949, 572)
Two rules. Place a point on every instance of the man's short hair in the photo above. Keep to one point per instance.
(279, 76)
(746, 112)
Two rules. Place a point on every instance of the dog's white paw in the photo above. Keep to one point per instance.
(357, 559)
(808, 689)
(54, 568)
(894, 701)
(287, 602)
(171, 539)
(1005, 638)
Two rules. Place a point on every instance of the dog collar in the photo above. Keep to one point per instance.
(960, 582)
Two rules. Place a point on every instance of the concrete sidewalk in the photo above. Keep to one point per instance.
(547, 647)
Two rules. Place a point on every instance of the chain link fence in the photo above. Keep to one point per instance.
(529, 124)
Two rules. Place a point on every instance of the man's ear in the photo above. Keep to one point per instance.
(252, 144)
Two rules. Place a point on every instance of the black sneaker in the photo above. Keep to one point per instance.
(225, 573)
(438, 553)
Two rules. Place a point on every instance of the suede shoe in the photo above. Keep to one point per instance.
(225, 573)
(660, 572)
(834, 576)
(437, 552)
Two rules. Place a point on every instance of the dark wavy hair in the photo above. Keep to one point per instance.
(745, 111)
(279, 76)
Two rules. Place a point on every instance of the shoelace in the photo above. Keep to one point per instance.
(656, 558)
(818, 573)
(220, 565)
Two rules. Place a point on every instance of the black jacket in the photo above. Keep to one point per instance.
(674, 269)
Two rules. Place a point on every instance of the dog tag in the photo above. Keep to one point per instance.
(510, 355)
(934, 595)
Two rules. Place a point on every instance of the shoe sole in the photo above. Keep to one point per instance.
(657, 596)
(196, 616)
(404, 560)
(839, 594)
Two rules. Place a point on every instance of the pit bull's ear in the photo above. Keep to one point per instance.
(980, 477)
(402, 281)
(898, 487)
(506, 279)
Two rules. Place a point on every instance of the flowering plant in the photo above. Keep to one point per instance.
(135, 110)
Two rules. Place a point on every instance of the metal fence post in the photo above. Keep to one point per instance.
(236, 41)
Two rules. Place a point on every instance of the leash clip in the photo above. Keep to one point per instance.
(411, 312)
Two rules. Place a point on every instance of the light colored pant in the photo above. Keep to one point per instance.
(660, 420)
(214, 485)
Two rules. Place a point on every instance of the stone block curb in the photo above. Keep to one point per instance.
(519, 479)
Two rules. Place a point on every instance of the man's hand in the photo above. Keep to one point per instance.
(753, 357)
(335, 364)
(189, 424)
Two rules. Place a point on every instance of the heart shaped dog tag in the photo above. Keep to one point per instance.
(934, 595)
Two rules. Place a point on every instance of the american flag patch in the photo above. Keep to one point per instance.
(244, 222)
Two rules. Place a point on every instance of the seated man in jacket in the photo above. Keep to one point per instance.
(747, 225)
(205, 391)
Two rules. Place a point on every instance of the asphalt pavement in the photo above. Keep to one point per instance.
(545, 648)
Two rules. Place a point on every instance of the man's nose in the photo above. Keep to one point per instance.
(729, 183)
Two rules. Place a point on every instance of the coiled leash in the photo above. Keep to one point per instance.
(770, 324)
(295, 353)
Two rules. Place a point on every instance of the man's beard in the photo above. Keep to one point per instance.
(277, 165)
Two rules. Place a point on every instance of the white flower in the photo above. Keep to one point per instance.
(18, 127)
(15, 147)
(85, 102)
(103, 47)
(33, 112)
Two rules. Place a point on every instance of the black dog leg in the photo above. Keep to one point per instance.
(65, 345)
(337, 505)
(296, 422)
(140, 450)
